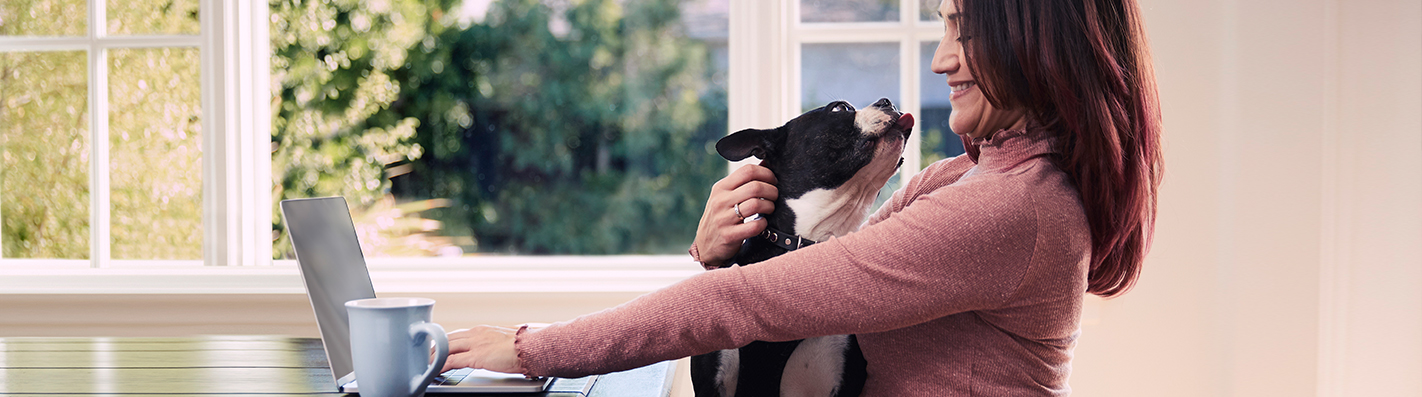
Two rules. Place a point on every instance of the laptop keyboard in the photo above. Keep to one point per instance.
(451, 377)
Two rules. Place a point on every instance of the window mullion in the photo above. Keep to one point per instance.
(256, 97)
(761, 87)
(153, 41)
(792, 71)
(910, 86)
(216, 194)
(99, 207)
(236, 133)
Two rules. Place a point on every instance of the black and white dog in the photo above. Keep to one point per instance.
(830, 163)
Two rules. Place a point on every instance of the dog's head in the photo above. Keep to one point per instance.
(836, 150)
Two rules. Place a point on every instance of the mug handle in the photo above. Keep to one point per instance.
(435, 332)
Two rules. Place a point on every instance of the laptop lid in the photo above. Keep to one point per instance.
(333, 269)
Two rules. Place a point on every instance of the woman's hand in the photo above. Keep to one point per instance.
(483, 347)
(751, 189)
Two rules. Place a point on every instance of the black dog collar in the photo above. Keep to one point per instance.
(784, 240)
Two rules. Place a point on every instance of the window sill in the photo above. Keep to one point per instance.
(491, 274)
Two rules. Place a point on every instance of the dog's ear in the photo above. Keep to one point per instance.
(750, 142)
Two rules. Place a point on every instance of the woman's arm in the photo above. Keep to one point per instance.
(962, 247)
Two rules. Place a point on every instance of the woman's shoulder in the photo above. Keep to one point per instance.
(947, 171)
(952, 183)
(1035, 189)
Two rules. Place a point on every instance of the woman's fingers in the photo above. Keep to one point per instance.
(735, 233)
(464, 348)
(745, 174)
(756, 206)
(485, 347)
(753, 189)
(747, 191)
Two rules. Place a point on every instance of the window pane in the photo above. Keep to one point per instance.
(860, 73)
(849, 10)
(928, 10)
(526, 127)
(153, 17)
(155, 157)
(43, 18)
(938, 140)
(44, 155)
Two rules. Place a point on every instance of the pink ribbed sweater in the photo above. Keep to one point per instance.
(968, 281)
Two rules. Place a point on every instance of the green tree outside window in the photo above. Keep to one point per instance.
(551, 127)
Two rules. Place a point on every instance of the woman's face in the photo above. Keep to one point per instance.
(972, 115)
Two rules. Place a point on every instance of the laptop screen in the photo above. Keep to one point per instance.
(333, 269)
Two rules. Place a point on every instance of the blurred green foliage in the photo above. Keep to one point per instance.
(152, 17)
(568, 127)
(44, 155)
(43, 17)
(588, 141)
(330, 71)
(155, 148)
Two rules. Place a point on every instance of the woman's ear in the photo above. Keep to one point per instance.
(750, 142)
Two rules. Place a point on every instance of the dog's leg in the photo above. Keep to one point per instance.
(856, 370)
(729, 372)
(815, 368)
(707, 372)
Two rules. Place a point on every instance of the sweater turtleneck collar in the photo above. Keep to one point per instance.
(1008, 148)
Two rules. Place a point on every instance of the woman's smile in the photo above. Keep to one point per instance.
(960, 88)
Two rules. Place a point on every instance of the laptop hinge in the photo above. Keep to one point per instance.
(345, 381)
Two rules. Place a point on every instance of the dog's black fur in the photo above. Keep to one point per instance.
(819, 151)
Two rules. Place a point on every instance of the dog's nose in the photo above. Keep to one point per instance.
(884, 103)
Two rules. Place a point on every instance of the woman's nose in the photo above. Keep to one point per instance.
(946, 58)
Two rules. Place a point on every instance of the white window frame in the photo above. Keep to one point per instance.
(237, 159)
(765, 53)
(97, 43)
(764, 90)
(235, 118)
(236, 121)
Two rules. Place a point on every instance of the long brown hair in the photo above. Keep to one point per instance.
(1082, 69)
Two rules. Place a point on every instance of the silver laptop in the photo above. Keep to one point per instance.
(333, 269)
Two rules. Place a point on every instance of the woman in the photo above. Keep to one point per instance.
(970, 279)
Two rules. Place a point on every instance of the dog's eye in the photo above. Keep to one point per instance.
(841, 107)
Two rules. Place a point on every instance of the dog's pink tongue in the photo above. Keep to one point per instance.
(905, 122)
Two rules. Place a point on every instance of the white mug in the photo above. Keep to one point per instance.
(390, 345)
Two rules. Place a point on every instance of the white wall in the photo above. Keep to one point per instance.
(1288, 259)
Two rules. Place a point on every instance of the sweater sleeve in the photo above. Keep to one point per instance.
(962, 247)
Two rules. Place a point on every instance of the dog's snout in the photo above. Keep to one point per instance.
(884, 103)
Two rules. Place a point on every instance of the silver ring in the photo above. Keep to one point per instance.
(737, 207)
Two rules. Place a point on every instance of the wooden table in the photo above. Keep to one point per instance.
(217, 365)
